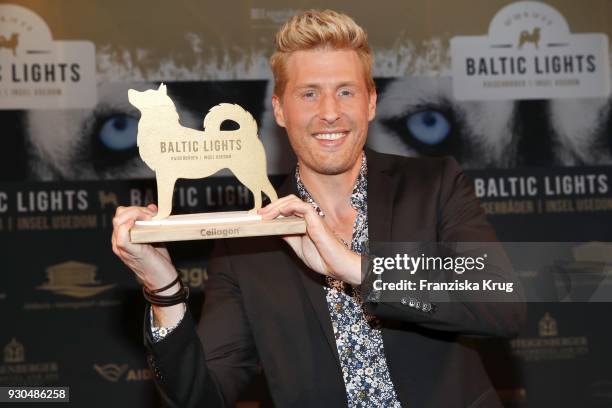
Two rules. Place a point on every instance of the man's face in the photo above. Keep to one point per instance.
(325, 109)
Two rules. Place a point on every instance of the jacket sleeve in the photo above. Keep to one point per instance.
(460, 219)
(209, 364)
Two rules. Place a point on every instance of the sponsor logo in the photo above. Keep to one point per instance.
(37, 72)
(219, 232)
(14, 352)
(122, 372)
(530, 53)
(74, 279)
(549, 345)
(17, 370)
(272, 16)
(547, 327)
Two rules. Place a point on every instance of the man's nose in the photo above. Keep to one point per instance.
(329, 109)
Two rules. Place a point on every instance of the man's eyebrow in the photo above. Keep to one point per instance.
(319, 86)
(347, 83)
(308, 86)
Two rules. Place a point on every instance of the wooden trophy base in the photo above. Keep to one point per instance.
(235, 224)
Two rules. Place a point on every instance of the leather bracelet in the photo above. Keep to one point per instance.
(168, 286)
(164, 301)
(167, 300)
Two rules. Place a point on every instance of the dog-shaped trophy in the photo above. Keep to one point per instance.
(174, 151)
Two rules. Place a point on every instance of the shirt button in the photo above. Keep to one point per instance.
(404, 301)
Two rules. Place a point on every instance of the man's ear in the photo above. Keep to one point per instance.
(278, 111)
(372, 105)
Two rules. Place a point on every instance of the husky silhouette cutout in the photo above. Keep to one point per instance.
(174, 151)
(530, 37)
(10, 43)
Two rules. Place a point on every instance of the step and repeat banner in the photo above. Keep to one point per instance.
(517, 92)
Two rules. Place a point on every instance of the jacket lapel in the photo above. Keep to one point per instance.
(382, 187)
(312, 281)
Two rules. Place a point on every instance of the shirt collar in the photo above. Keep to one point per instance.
(358, 196)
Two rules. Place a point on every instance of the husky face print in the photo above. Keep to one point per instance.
(418, 116)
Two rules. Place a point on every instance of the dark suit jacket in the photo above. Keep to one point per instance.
(263, 306)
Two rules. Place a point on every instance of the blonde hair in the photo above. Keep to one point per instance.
(319, 29)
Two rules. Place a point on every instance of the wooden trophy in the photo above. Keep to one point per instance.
(174, 151)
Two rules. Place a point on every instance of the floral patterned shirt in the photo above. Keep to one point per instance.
(358, 337)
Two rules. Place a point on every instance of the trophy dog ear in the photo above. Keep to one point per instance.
(162, 87)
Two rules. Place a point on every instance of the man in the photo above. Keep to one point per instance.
(295, 307)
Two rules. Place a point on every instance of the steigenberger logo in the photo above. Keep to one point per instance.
(530, 53)
(16, 369)
(39, 73)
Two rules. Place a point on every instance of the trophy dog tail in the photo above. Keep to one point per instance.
(227, 111)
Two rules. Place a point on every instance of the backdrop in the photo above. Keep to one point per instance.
(518, 92)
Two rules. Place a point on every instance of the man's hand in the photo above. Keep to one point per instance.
(319, 248)
(150, 263)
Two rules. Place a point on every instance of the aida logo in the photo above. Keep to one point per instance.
(37, 72)
(111, 372)
(530, 53)
(115, 372)
(74, 279)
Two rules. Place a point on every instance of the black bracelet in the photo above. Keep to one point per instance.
(168, 286)
(170, 300)
(181, 297)
(163, 301)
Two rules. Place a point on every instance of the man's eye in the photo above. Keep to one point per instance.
(309, 94)
(345, 92)
(429, 127)
(118, 132)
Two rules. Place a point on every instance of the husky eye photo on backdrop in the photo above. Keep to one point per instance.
(416, 116)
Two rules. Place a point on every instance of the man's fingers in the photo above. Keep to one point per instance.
(284, 206)
(132, 213)
(122, 240)
(278, 203)
(270, 214)
(113, 244)
(301, 209)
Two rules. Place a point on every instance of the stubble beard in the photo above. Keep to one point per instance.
(330, 163)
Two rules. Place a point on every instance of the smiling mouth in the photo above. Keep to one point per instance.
(330, 135)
